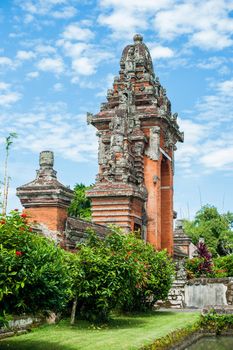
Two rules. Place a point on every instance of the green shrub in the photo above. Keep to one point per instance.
(118, 272)
(191, 266)
(223, 266)
(33, 276)
(216, 323)
(146, 274)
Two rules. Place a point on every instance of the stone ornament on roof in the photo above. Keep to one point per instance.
(45, 190)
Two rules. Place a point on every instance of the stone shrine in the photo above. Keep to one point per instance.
(137, 136)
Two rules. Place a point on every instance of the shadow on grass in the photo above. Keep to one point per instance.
(127, 320)
(19, 344)
(117, 322)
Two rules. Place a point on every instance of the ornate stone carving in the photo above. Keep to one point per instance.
(153, 151)
(136, 105)
(89, 117)
(168, 140)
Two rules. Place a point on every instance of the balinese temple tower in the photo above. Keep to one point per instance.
(137, 137)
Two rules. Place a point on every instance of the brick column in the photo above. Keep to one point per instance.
(45, 199)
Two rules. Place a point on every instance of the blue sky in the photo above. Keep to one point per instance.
(59, 57)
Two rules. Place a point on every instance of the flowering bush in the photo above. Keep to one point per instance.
(33, 276)
(119, 272)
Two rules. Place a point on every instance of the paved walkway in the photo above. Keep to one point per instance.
(179, 310)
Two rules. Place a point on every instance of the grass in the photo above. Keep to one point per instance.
(121, 333)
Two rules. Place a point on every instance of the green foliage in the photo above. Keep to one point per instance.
(213, 322)
(33, 276)
(192, 269)
(215, 228)
(120, 271)
(223, 266)
(174, 338)
(80, 205)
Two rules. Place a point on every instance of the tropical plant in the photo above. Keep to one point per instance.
(6, 181)
(201, 265)
(80, 205)
(215, 228)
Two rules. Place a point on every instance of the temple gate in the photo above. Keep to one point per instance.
(137, 136)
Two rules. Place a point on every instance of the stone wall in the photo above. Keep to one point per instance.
(201, 292)
(76, 232)
(19, 325)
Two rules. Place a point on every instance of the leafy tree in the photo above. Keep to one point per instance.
(215, 228)
(6, 182)
(80, 205)
(33, 274)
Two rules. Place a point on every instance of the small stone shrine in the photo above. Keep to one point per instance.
(45, 199)
(137, 136)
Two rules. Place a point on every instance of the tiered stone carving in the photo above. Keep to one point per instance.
(133, 126)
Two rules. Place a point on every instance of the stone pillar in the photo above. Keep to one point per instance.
(45, 199)
(182, 243)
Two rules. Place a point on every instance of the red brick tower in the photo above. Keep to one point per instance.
(137, 137)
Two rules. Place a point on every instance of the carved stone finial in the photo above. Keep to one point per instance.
(46, 162)
(138, 38)
(46, 159)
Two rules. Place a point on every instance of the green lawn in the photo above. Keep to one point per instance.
(122, 333)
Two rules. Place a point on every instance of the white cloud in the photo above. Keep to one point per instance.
(219, 158)
(45, 49)
(85, 57)
(146, 5)
(127, 17)
(50, 126)
(212, 63)
(57, 9)
(25, 55)
(6, 61)
(161, 52)
(53, 65)
(211, 39)
(58, 87)
(194, 134)
(83, 66)
(207, 23)
(226, 88)
(65, 13)
(208, 141)
(217, 107)
(74, 32)
(9, 98)
(32, 75)
(4, 86)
